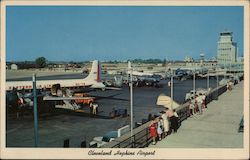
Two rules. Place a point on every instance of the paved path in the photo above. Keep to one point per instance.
(216, 128)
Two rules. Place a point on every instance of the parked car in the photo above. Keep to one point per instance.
(100, 141)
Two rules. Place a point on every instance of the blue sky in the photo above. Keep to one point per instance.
(82, 33)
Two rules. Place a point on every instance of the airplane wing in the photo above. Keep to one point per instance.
(50, 98)
(112, 88)
(111, 97)
(165, 101)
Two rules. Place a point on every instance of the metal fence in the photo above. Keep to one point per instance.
(141, 137)
(139, 140)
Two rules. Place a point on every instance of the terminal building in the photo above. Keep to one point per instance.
(227, 49)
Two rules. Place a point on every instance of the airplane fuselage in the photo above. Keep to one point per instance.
(41, 84)
(93, 80)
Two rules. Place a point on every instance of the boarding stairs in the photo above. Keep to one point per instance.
(68, 105)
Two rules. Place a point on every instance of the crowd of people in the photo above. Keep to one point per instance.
(163, 125)
(197, 104)
(167, 122)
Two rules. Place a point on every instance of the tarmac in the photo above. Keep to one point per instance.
(54, 128)
(217, 127)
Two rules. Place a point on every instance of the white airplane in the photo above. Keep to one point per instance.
(93, 80)
(138, 73)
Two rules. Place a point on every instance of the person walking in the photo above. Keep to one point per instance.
(171, 116)
(195, 104)
(227, 85)
(165, 124)
(204, 105)
(176, 118)
(159, 127)
(199, 102)
(230, 85)
(191, 107)
(153, 130)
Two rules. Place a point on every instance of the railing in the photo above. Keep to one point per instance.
(141, 137)
(183, 110)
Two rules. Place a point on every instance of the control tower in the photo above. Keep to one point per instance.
(227, 49)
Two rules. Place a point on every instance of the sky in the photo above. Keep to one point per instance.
(80, 33)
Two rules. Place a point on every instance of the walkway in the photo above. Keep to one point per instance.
(216, 128)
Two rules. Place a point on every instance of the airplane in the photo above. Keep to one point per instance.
(93, 80)
(141, 78)
(148, 81)
(183, 74)
(67, 97)
(139, 81)
(116, 82)
(140, 73)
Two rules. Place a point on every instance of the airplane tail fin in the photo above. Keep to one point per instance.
(118, 81)
(96, 72)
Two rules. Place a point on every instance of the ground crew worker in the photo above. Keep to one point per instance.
(95, 108)
(91, 107)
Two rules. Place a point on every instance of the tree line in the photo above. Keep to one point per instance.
(42, 62)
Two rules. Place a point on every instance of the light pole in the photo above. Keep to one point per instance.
(208, 80)
(131, 101)
(35, 110)
(217, 85)
(172, 88)
(194, 83)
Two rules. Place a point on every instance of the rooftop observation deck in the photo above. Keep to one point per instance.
(217, 127)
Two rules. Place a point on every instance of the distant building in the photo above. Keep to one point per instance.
(13, 67)
(227, 49)
(188, 59)
(240, 59)
(214, 59)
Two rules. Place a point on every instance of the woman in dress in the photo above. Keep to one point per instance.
(153, 131)
(159, 127)
(165, 124)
